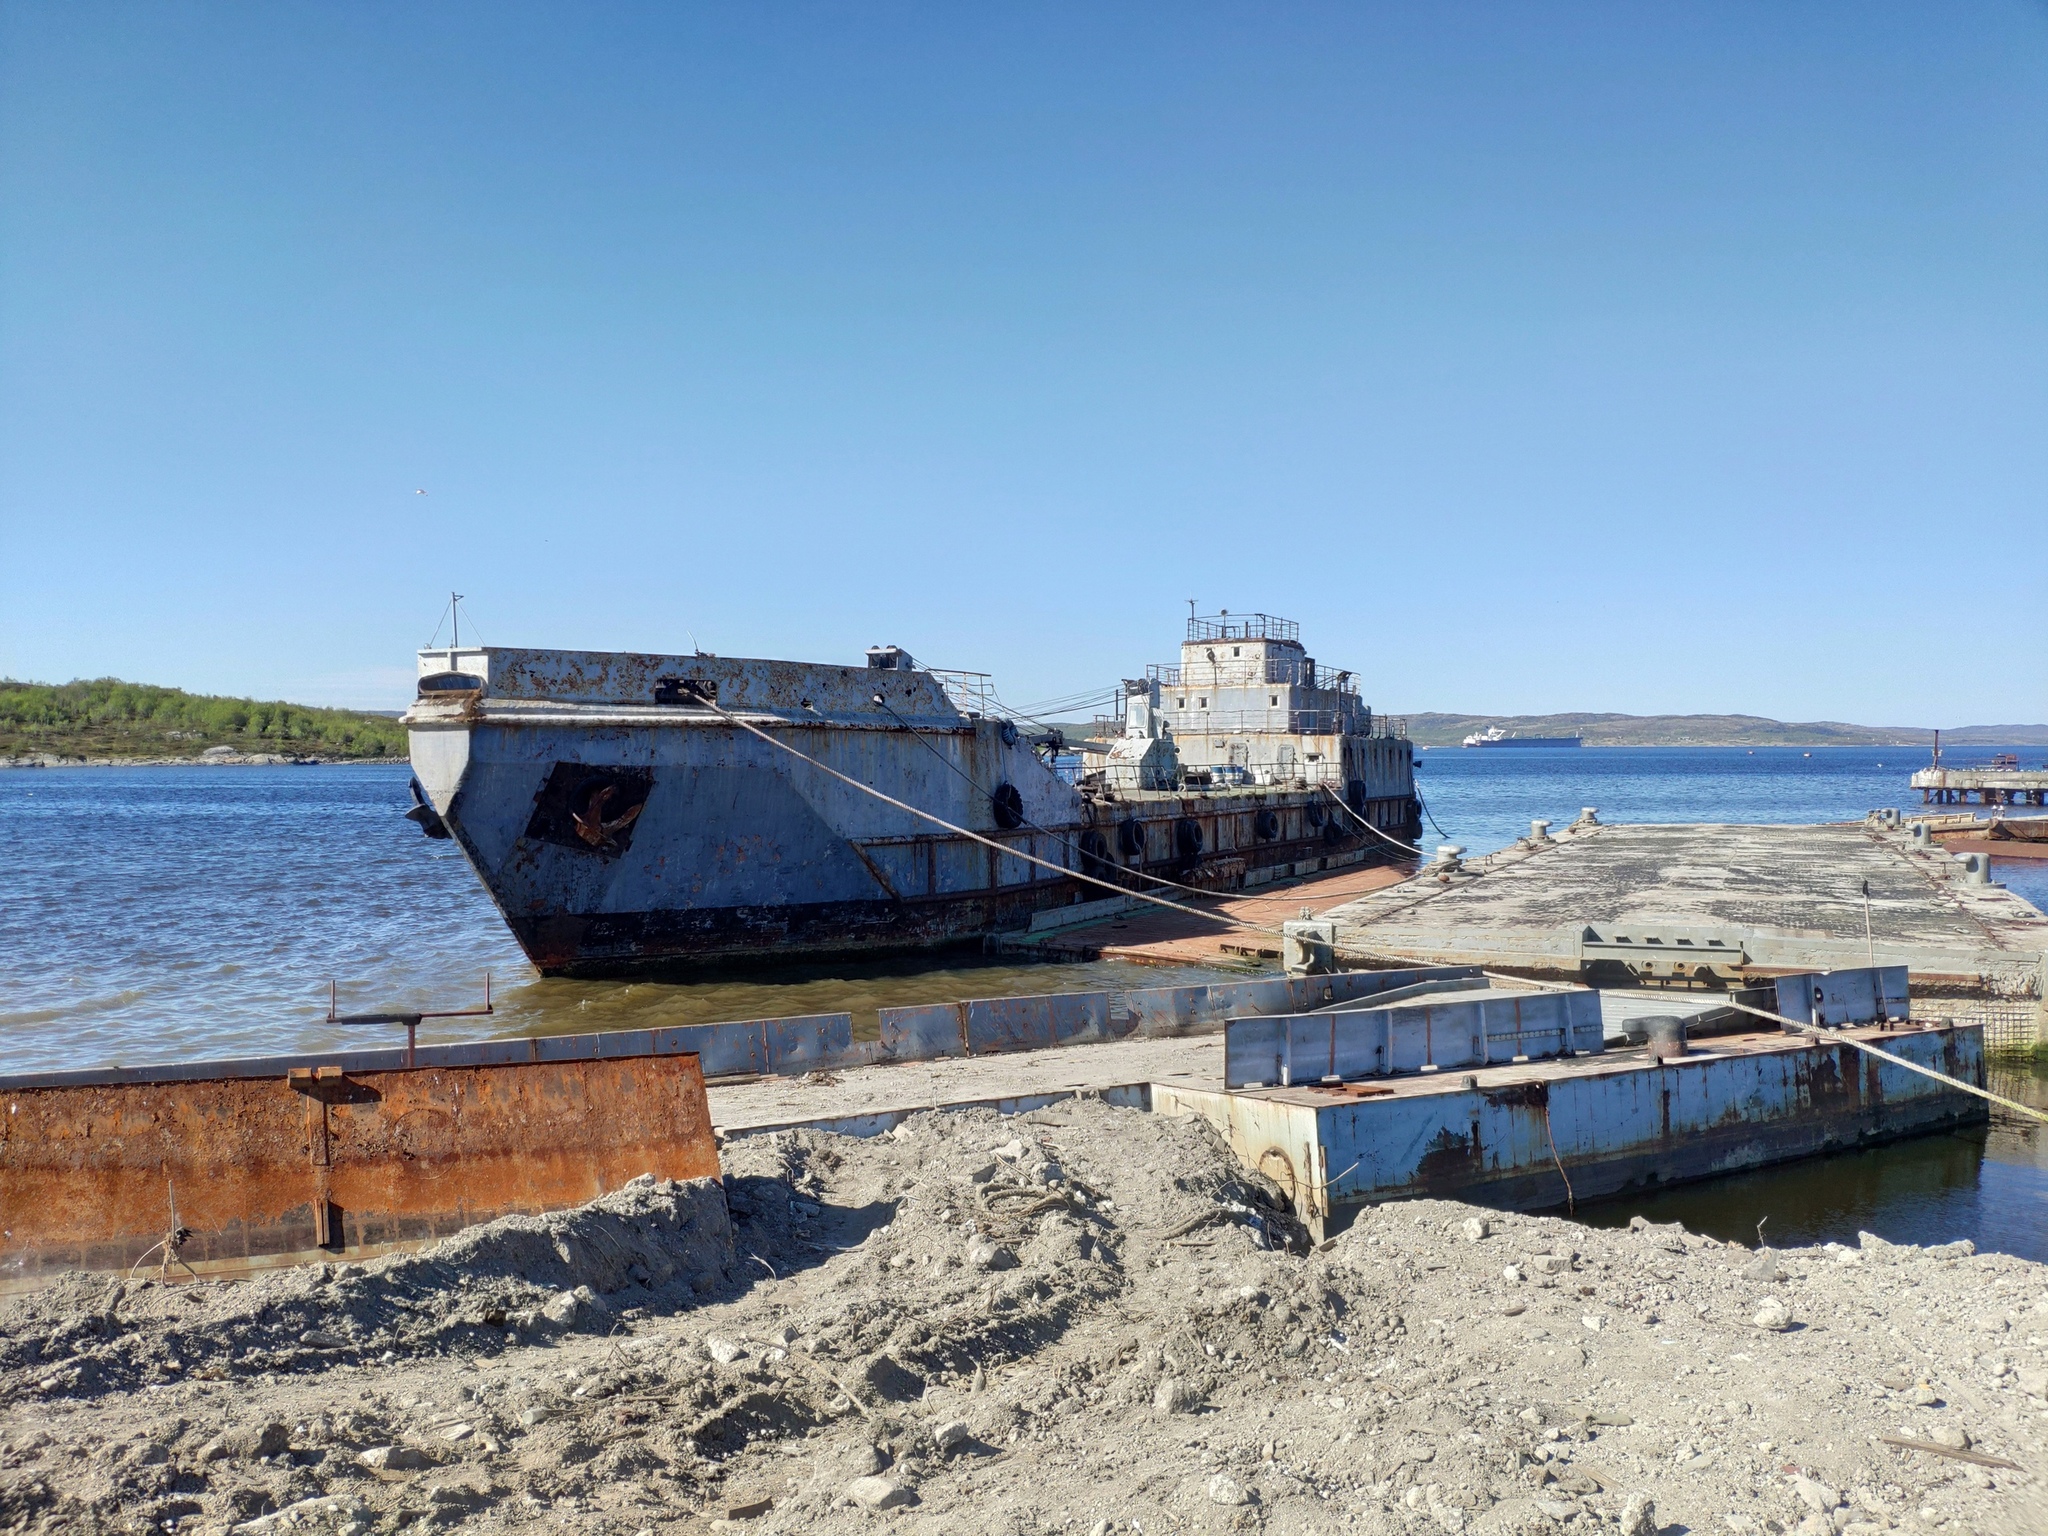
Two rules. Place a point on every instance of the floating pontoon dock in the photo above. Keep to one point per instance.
(1533, 1135)
(1716, 904)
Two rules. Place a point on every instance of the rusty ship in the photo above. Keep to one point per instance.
(631, 812)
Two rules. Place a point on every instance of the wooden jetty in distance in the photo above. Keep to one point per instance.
(2003, 782)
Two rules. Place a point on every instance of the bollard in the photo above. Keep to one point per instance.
(1664, 1034)
(1308, 947)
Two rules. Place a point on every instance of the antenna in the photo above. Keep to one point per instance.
(455, 609)
(1191, 607)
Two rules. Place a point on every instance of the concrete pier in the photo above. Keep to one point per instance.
(1712, 903)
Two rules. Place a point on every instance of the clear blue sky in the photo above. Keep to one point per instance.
(1637, 357)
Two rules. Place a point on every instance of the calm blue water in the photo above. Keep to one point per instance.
(148, 914)
(155, 914)
(162, 914)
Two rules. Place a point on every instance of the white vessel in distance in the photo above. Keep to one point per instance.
(1494, 736)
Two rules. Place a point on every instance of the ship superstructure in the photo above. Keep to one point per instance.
(623, 814)
(1246, 704)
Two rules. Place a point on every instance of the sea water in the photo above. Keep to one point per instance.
(163, 914)
(153, 914)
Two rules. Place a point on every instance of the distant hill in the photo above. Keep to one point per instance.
(1439, 730)
(107, 718)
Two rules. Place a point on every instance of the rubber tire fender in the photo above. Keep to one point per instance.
(1187, 838)
(1314, 814)
(1266, 825)
(1094, 853)
(1008, 805)
(1130, 838)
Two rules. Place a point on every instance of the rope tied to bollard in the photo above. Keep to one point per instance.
(1817, 1033)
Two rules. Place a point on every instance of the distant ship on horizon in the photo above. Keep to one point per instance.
(1494, 736)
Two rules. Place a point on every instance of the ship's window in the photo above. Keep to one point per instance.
(1180, 703)
(1272, 699)
(1234, 651)
(1201, 703)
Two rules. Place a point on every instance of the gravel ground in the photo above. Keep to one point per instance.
(1083, 1320)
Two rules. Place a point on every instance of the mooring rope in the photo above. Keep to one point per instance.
(989, 842)
(1571, 1203)
(1172, 885)
(1828, 1034)
(1344, 805)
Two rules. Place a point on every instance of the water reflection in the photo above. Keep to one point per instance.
(1989, 1185)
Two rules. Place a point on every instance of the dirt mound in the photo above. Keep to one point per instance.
(481, 1290)
(1079, 1320)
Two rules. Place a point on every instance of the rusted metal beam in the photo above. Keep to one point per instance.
(327, 1160)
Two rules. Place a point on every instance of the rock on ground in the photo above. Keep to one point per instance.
(817, 1344)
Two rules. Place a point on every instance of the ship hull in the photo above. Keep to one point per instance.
(746, 938)
(619, 839)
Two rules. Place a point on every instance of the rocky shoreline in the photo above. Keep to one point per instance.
(1084, 1320)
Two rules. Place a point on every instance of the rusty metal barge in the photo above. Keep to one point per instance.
(624, 815)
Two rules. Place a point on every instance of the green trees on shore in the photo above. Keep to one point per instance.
(105, 717)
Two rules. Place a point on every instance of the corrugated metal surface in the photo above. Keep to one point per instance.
(1029, 1023)
(1376, 1042)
